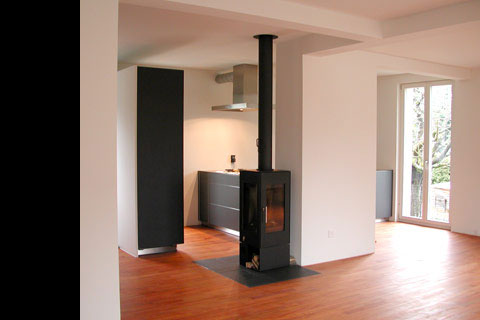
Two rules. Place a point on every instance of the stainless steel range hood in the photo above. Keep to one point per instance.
(245, 94)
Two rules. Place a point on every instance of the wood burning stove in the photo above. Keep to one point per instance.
(265, 219)
(265, 193)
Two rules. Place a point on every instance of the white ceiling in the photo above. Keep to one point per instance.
(157, 37)
(160, 37)
(459, 46)
(378, 9)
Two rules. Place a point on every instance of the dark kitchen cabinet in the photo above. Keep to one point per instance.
(150, 159)
(218, 199)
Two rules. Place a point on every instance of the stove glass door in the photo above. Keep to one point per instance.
(275, 208)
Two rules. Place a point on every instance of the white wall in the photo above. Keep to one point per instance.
(288, 133)
(127, 161)
(99, 283)
(331, 150)
(339, 152)
(210, 137)
(465, 173)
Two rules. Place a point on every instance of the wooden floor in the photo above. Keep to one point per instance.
(415, 273)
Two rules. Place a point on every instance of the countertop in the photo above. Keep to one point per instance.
(221, 172)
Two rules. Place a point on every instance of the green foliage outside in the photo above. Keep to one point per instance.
(441, 172)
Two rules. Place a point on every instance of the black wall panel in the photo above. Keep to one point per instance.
(159, 157)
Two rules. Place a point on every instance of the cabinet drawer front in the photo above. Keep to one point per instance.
(224, 217)
(227, 179)
(224, 195)
(203, 196)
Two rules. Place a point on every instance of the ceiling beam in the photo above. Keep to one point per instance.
(277, 13)
(407, 65)
(421, 25)
(436, 19)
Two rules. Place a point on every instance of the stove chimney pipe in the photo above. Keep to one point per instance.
(265, 97)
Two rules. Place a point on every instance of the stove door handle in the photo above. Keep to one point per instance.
(266, 215)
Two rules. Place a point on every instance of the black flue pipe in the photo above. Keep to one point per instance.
(265, 100)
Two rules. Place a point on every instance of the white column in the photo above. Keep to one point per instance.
(99, 282)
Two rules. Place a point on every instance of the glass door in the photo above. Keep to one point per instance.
(426, 149)
(275, 208)
(413, 155)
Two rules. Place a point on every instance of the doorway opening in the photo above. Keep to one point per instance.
(425, 146)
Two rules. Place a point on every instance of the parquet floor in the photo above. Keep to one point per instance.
(415, 273)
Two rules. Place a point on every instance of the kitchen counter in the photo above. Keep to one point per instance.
(219, 199)
(235, 173)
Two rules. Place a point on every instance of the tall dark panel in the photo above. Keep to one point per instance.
(159, 157)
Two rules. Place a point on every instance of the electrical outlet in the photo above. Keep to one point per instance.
(331, 233)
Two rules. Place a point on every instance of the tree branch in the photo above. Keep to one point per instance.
(442, 155)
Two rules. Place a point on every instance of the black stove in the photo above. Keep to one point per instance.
(265, 193)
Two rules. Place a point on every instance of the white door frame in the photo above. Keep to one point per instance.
(427, 85)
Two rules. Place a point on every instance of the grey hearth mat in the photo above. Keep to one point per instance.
(229, 267)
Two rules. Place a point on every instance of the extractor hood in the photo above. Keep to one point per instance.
(245, 94)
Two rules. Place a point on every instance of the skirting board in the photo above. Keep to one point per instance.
(157, 250)
(226, 230)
